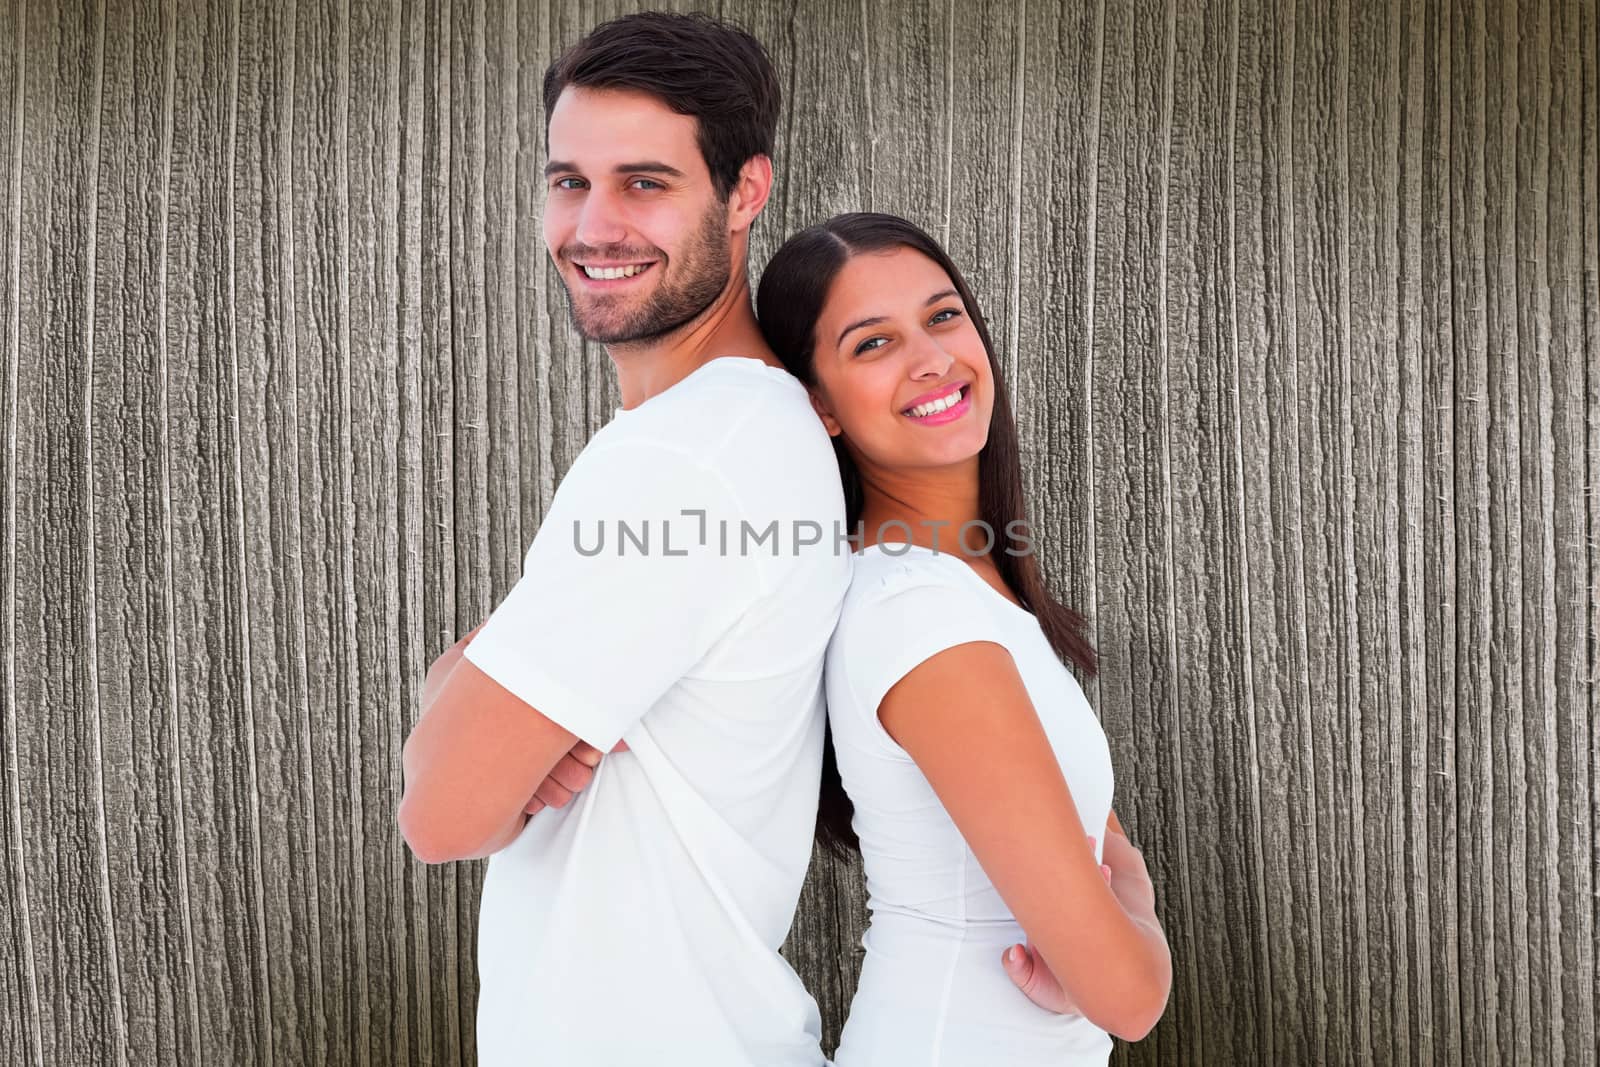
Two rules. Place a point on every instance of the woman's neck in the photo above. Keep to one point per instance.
(927, 507)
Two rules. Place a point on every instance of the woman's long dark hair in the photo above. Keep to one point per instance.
(793, 290)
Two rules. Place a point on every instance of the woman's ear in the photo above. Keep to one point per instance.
(830, 423)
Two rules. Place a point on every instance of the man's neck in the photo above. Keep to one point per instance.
(726, 328)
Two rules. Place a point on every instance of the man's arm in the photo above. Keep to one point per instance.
(593, 642)
(572, 774)
(472, 765)
(441, 667)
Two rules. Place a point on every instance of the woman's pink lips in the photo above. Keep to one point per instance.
(949, 414)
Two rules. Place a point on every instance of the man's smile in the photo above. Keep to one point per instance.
(611, 275)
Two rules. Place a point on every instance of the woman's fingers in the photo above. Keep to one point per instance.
(1030, 974)
(1019, 965)
(1105, 869)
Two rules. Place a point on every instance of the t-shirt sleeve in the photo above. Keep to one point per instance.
(905, 616)
(623, 591)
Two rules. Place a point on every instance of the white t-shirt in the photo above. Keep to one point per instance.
(640, 924)
(933, 990)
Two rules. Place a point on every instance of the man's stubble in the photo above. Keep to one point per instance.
(689, 285)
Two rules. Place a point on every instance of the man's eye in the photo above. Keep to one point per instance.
(569, 183)
(646, 184)
(870, 343)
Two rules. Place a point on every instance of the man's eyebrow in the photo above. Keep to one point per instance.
(647, 167)
(934, 299)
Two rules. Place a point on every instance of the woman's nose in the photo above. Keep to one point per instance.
(929, 359)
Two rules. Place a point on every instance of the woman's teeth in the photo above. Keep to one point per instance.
(611, 273)
(933, 407)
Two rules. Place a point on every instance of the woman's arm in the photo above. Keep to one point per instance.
(965, 717)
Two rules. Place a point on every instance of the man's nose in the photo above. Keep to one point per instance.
(600, 222)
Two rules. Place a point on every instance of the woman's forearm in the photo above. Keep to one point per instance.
(1132, 977)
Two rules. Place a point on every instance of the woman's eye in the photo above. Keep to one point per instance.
(870, 343)
(943, 315)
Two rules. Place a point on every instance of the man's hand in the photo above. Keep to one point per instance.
(571, 776)
(1030, 973)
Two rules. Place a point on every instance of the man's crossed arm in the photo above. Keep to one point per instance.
(479, 762)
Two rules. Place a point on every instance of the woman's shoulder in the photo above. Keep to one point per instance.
(892, 580)
(883, 568)
(903, 607)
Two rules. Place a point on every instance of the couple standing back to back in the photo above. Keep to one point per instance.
(690, 608)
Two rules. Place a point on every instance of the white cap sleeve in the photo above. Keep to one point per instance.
(602, 624)
(901, 615)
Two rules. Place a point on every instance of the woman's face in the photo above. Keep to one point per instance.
(901, 371)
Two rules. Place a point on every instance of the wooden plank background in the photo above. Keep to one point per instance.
(1301, 304)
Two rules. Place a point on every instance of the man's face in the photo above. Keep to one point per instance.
(631, 217)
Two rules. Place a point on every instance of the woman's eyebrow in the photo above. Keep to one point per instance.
(857, 325)
(943, 294)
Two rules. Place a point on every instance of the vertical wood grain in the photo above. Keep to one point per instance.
(22, 1036)
(63, 821)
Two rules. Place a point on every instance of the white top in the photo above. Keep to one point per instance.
(641, 923)
(933, 991)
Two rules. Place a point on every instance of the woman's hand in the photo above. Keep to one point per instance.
(1031, 974)
(1130, 878)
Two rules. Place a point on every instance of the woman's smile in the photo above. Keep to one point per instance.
(946, 406)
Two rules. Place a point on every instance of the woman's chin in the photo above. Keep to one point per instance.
(948, 454)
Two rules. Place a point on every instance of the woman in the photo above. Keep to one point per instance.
(979, 778)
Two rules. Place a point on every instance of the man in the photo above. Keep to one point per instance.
(680, 595)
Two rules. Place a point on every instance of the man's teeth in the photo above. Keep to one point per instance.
(933, 407)
(607, 273)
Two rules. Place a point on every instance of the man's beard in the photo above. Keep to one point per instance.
(689, 284)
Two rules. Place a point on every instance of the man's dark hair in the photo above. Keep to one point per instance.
(695, 64)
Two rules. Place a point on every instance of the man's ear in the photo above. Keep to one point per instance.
(749, 194)
(829, 423)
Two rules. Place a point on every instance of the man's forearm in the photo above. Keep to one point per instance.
(512, 831)
(441, 668)
(472, 763)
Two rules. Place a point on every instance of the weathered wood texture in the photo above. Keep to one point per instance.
(1299, 302)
